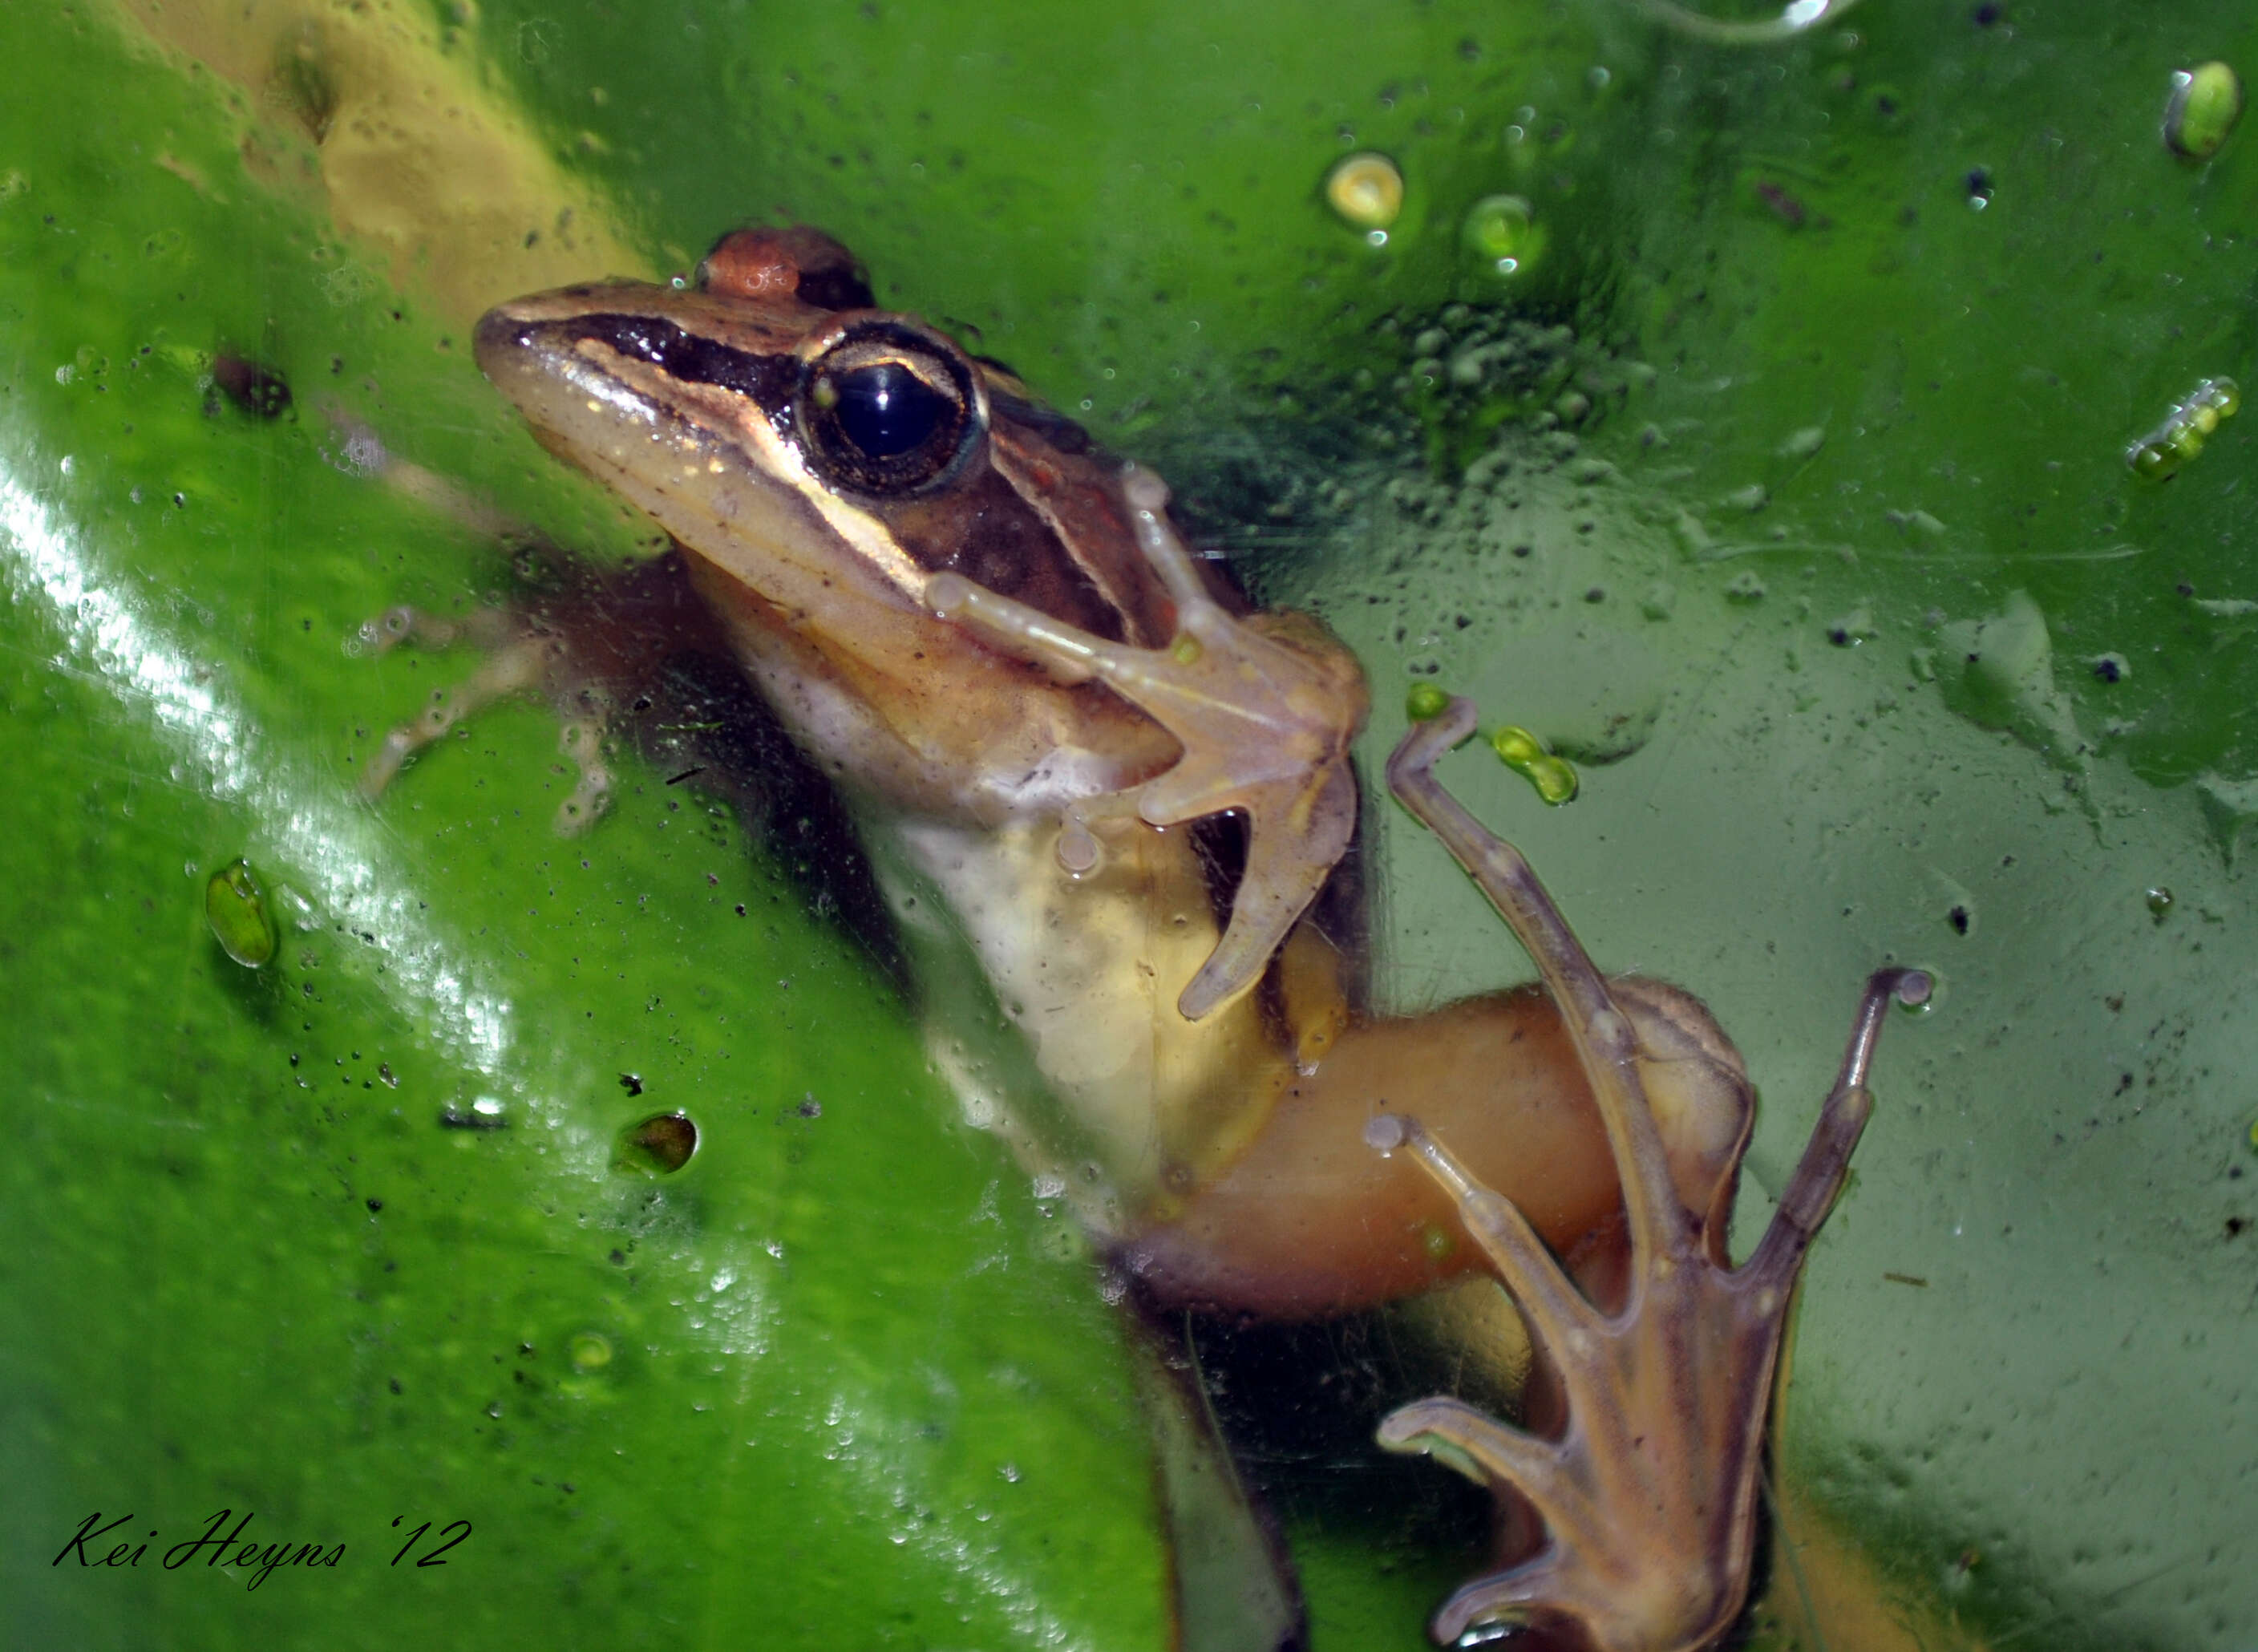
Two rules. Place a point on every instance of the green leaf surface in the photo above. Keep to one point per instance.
(1862, 328)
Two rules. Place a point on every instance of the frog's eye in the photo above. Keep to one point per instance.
(889, 409)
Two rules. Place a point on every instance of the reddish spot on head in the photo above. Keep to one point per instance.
(796, 262)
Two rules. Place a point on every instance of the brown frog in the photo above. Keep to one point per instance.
(1112, 813)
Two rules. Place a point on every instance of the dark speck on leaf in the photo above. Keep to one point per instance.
(256, 389)
(663, 1142)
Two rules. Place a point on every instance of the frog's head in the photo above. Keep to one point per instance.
(822, 459)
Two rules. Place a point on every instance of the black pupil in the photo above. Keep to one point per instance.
(887, 410)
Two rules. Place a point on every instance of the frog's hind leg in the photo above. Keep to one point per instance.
(1606, 1046)
(1648, 1495)
(1810, 1192)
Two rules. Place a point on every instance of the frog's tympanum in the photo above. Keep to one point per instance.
(1112, 814)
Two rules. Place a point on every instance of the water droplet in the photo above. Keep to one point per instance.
(1077, 850)
(1805, 443)
(1999, 673)
(235, 906)
(663, 1142)
(1367, 190)
(2160, 902)
(2206, 101)
(1853, 628)
(2229, 805)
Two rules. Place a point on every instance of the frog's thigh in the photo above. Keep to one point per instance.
(1309, 1221)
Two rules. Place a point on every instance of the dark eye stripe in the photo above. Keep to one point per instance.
(768, 381)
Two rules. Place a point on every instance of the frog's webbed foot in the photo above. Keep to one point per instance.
(1648, 1495)
(1265, 708)
(519, 657)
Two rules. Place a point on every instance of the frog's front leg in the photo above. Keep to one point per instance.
(1265, 708)
(518, 657)
(1648, 1498)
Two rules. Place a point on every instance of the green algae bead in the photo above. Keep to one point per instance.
(2205, 103)
(1424, 702)
(235, 906)
(1502, 230)
(1523, 752)
(2154, 461)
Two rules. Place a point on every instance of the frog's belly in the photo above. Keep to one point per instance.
(1050, 1001)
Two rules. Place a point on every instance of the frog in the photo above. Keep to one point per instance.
(1111, 810)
